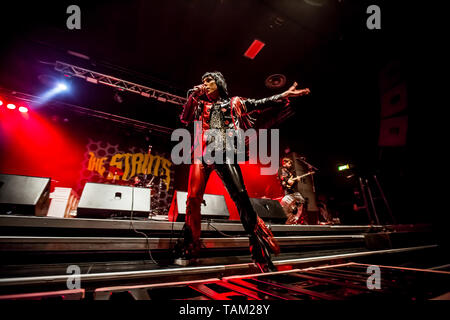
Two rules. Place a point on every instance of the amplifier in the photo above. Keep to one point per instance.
(108, 201)
(24, 195)
(269, 210)
(213, 207)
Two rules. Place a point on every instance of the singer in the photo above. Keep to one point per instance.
(210, 104)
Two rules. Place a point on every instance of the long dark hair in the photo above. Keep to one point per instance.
(220, 82)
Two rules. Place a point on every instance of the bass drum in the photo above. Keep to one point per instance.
(292, 205)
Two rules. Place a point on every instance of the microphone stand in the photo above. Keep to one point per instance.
(310, 168)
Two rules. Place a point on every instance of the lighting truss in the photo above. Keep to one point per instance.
(95, 77)
(127, 122)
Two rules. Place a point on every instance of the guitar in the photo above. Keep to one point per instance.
(291, 181)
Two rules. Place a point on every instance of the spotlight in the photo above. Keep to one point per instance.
(275, 81)
(57, 88)
(1, 102)
(23, 109)
(254, 48)
(61, 86)
(11, 106)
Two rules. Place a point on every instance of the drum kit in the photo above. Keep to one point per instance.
(144, 181)
(293, 206)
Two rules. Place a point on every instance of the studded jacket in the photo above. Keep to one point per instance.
(227, 114)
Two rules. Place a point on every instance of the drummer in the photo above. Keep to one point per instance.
(136, 182)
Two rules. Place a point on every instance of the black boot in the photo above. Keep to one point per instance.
(262, 244)
(186, 251)
(261, 255)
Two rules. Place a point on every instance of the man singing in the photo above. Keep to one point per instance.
(210, 104)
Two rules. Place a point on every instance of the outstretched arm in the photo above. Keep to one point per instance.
(294, 92)
(278, 99)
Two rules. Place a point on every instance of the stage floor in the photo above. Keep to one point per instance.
(38, 251)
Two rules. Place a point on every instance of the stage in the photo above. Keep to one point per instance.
(119, 121)
(134, 256)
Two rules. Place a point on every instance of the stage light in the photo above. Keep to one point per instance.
(11, 106)
(1, 102)
(61, 86)
(118, 97)
(275, 81)
(344, 167)
(254, 49)
(58, 88)
(92, 80)
(23, 109)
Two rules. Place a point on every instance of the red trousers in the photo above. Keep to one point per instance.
(261, 239)
(231, 177)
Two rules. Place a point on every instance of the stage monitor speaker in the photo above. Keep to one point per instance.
(269, 210)
(213, 207)
(24, 195)
(109, 201)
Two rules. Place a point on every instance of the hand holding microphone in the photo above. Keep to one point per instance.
(192, 103)
(199, 90)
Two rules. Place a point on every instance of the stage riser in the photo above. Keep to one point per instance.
(123, 244)
(109, 244)
(49, 245)
(15, 225)
(338, 281)
(92, 280)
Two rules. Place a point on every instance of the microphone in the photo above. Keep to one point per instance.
(199, 89)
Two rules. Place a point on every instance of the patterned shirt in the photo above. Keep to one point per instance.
(226, 116)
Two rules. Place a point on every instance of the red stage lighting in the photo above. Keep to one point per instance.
(23, 109)
(11, 106)
(254, 48)
(1, 102)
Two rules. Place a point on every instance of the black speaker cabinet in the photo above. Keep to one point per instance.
(24, 195)
(213, 207)
(269, 210)
(100, 200)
